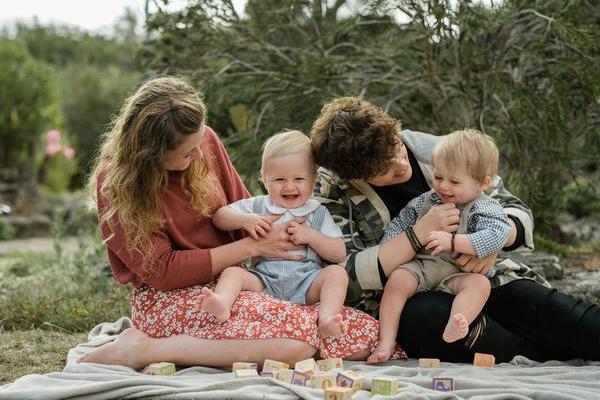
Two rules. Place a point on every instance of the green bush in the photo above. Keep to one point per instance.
(73, 292)
(28, 104)
(7, 231)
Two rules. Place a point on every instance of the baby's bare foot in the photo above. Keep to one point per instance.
(213, 304)
(382, 353)
(331, 325)
(457, 328)
(128, 350)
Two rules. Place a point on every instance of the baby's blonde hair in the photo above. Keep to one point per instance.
(286, 143)
(471, 149)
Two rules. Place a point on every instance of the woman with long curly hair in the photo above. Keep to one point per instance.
(160, 175)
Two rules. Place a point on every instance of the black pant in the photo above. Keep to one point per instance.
(520, 318)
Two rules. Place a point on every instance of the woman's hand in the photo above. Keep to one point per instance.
(470, 263)
(277, 242)
(443, 217)
(258, 225)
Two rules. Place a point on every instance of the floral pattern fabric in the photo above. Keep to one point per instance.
(254, 315)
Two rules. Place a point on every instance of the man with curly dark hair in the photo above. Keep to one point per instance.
(370, 169)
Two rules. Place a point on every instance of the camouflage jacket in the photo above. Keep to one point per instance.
(362, 216)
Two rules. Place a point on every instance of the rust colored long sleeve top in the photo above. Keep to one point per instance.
(181, 254)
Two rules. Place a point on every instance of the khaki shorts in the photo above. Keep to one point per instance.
(432, 272)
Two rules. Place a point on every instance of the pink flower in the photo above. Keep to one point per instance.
(53, 148)
(53, 136)
(69, 152)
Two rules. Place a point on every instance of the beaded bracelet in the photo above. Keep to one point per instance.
(413, 239)
(452, 242)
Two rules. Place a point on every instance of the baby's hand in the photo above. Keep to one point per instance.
(438, 241)
(258, 225)
(299, 233)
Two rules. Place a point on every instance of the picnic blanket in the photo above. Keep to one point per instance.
(521, 379)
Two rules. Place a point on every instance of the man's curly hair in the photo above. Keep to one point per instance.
(354, 139)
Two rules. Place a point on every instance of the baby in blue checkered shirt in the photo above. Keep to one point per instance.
(464, 164)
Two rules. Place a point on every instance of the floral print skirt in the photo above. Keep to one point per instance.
(254, 315)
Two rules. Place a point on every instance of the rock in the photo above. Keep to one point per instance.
(34, 225)
(580, 230)
(583, 284)
(547, 265)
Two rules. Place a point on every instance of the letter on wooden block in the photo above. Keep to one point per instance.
(338, 393)
(429, 363)
(272, 365)
(245, 373)
(244, 365)
(161, 368)
(443, 384)
(384, 385)
(483, 360)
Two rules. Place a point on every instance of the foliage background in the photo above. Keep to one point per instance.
(524, 72)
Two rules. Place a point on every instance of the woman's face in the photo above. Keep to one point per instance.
(399, 170)
(181, 157)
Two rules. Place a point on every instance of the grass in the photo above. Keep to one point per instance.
(35, 351)
(49, 302)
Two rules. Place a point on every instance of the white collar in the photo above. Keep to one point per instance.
(308, 207)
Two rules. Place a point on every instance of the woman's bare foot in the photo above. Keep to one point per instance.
(213, 304)
(128, 350)
(457, 328)
(382, 352)
(331, 325)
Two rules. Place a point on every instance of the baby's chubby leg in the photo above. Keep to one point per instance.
(329, 287)
(232, 281)
(472, 292)
(401, 286)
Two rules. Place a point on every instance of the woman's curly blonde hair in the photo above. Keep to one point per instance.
(156, 119)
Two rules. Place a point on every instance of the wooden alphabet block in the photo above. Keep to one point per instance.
(483, 360)
(323, 381)
(429, 363)
(443, 384)
(329, 364)
(350, 379)
(299, 378)
(384, 385)
(338, 393)
(272, 365)
(161, 368)
(245, 373)
(244, 365)
(307, 366)
(285, 375)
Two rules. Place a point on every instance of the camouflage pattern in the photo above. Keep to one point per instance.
(362, 216)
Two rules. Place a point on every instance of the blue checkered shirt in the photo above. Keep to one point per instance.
(487, 223)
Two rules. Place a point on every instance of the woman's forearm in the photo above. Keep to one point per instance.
(227, 219)
(232, 254)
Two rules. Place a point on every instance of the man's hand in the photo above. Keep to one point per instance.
(443, 217)
(470, 263)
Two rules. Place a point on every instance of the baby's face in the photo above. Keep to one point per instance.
(455, 185)
(289, 179)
